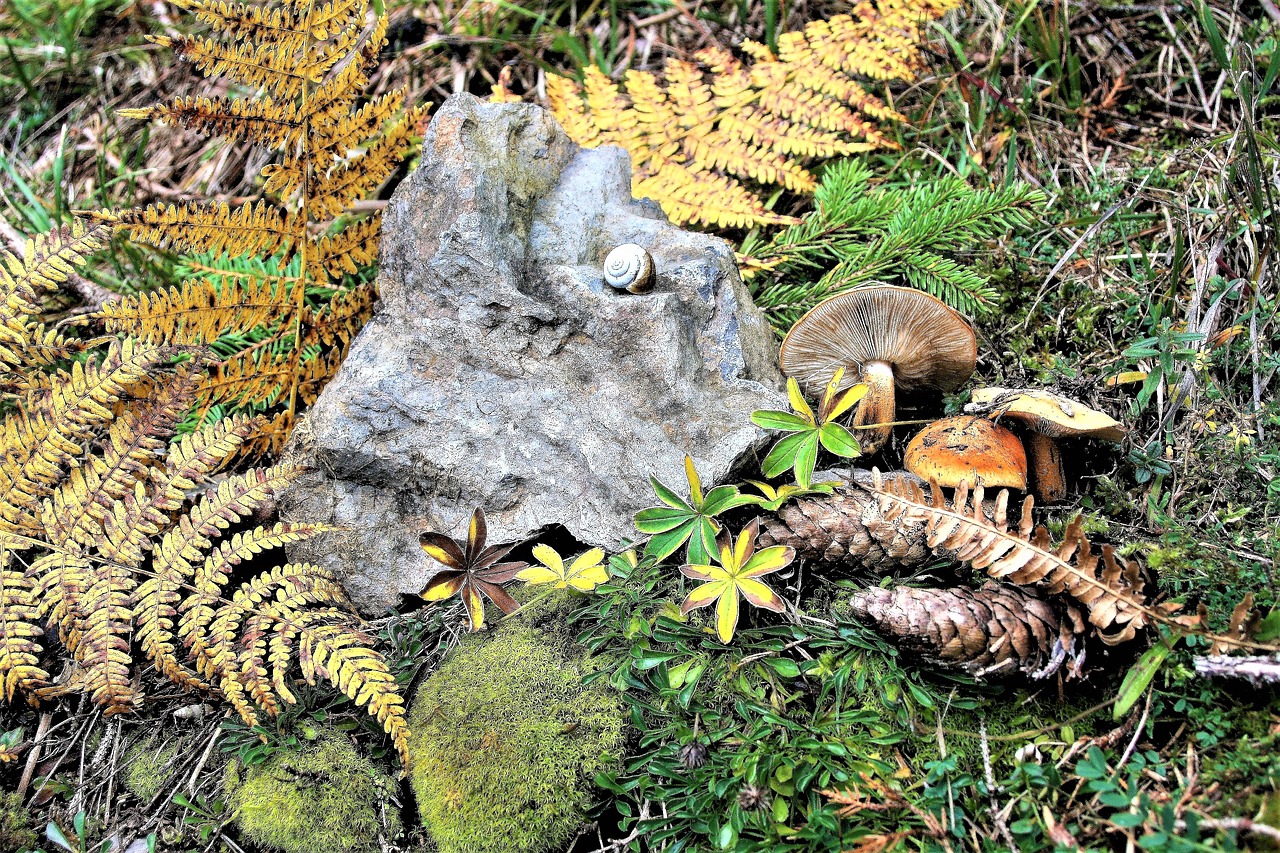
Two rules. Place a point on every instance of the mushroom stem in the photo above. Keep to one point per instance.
(1045, 457)
(877, 408)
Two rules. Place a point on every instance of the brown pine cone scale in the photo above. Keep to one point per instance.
(997, 629)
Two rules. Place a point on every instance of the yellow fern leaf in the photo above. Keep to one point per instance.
(72, 516)
(258, 229)
(37, 445)
(719, 125)
(19, 628)
(262, 121)
(352, 247)
(196, 312)
(344, 657)
(312, 60)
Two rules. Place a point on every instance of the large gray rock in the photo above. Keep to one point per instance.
(500, 371)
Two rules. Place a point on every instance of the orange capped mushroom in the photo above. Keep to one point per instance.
(972, 449)
(1047, 417)
(887, 337)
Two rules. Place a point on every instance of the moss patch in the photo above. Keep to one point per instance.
(506, 742)
(149, 765)
(15, 824)
(325, 797)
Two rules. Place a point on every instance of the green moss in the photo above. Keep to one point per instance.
(324, 797)
(149, 764)
(506, 740)
(15, 824)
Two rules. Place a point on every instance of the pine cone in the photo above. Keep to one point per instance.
(995, 629)
(845, 529)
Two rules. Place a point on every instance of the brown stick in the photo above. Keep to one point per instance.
(1256, 669)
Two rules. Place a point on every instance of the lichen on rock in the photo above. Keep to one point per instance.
(507, 740)
(323, 797)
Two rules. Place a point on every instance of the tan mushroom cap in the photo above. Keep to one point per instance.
(929, 344)
(1046, 412)
(968, 448)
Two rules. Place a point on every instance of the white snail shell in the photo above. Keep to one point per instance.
(629, 267)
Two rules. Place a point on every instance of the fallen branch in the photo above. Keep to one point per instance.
(1257, 669)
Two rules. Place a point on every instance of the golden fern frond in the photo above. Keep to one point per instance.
(344, 656)
(260, 229)
(269, 438)
(235, 498)
(27, 345)
(37, 445)
(272, 598)
(256, 65)
(354, 130)
(281, 26)
(353, 247)
(197, 455)
(720, 124)
(95, 494)
(364, 172)
(262, 121)
(316, 373)
(716, 201)
(1108, 586)
(73, 514)
(257, 375)
(61, 579)
(312, 60)
(144, 513)
(102, 646)
(342, 319)
(19, 629)
(48, 260)
(196, 312)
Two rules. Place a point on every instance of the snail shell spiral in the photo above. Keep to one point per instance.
(629, 267)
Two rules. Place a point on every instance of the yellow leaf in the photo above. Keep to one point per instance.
(798, 403)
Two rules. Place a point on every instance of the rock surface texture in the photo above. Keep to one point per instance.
(501, 371)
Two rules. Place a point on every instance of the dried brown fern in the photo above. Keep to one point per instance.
(709, 132)
(1107, 585)
(311, 62)
(123, 550)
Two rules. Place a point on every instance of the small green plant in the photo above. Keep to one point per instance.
(739, 573)
(584, 575)
(81, 843)
(471, 570)
(206, 817)
(692, 521)
(799, 450)
(915, 235)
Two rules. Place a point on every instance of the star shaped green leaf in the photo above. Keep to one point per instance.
(739, 571)
(679, 521)
(809, 431)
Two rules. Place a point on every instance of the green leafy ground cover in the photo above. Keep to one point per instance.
(1138, 145)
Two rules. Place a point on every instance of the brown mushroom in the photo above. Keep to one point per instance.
(972, 449)
(1047, 417)
(884, 336)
